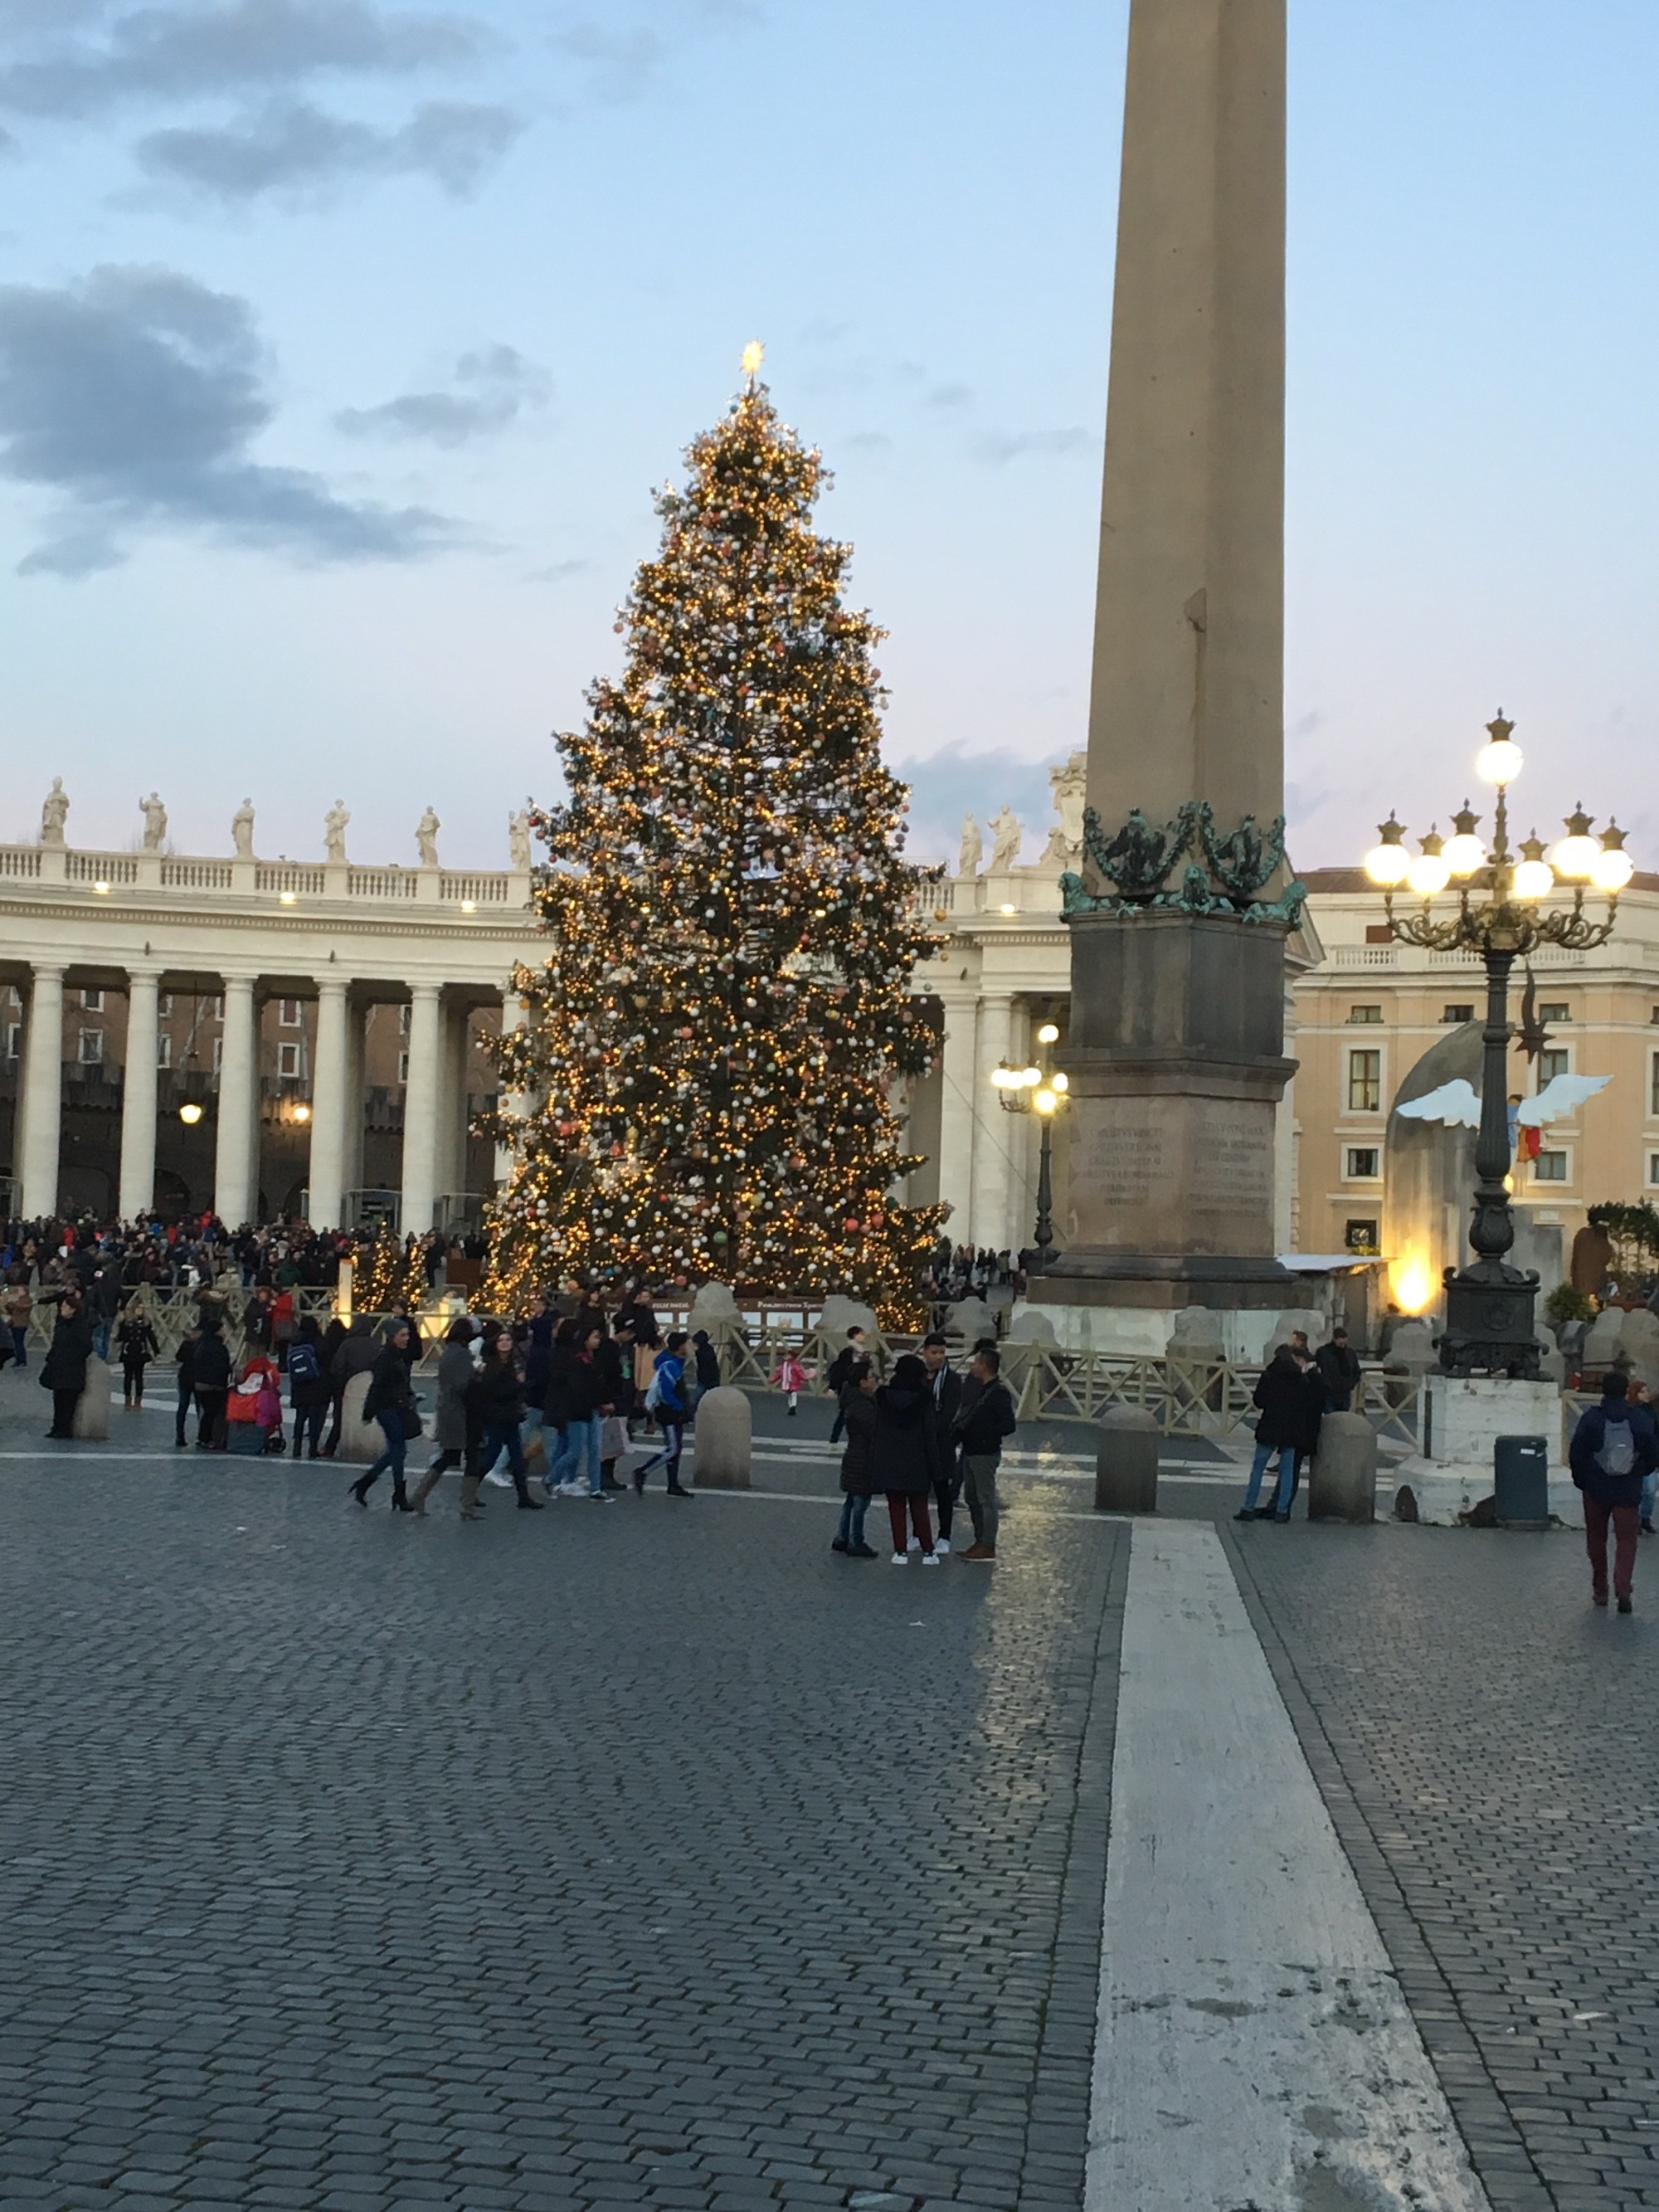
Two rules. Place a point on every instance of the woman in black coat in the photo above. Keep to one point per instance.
(858, 1413)
(64, 1373)
(498, 1393)
(391, 1401)
(904, 1456)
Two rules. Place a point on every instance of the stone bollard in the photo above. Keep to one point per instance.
(1342, 1483)
(1126, 1462)
(725, 1434)
(360, 1441)
(91, 1422)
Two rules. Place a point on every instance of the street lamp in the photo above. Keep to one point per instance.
(1041, 1090)
(1500, 915)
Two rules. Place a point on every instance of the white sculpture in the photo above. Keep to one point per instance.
(334, 829)
(973, 847)
(517, 838)
(54, 813)
(155, 822)
(241, 829)
(1457, 1106)
(1006, 830)
(426, 838)
(1070, 785)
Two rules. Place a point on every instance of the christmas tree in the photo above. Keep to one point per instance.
(713, 1040)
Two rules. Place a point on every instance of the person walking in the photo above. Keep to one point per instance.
(499, 1387)
(945, 1388)
(16, 1308)
(391, 1401)
(137, 1344)
(64, 1370)
(904, 1457)
(455, 1427)
(210, 1379)
(858, 1407)
(309, 1390)
(840, 1372)
(1339, 1370)
(613, 1361)
(573, 1408)
(187, 1345)
(355, 1354)
(983, 1423)
(790, 1376)
(669, 1402)
(1614, 1446)
(1281, 1399)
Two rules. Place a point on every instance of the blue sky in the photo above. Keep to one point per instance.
(341, 342)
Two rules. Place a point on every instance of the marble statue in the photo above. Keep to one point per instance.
(334, 829)
(54, 813)
(973, 847)
(241, 829)
(426, 838)
(1006, 830)
(1069, 786)
(155, 822)
(517, 838)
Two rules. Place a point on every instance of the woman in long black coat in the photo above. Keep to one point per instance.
(857, 1411)
(64, 1373)
(904, 1456)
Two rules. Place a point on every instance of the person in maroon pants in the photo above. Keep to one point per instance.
(1614, 1446)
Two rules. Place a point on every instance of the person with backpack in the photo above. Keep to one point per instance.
(668, 1403)
(309, 1390)
(1614, 1446)
(983, 1423)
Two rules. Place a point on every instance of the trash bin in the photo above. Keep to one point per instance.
(1520, 1487)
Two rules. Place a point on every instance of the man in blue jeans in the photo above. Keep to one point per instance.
(1282, 1394)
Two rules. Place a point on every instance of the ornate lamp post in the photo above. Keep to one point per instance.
(1040, 1090)
(1501, 915)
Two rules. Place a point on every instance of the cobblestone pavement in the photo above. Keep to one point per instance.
(634, 1855)
(1485, 1740)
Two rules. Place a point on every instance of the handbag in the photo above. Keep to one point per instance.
(413, 1424)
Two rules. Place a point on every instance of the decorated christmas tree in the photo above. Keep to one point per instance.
(715, 1036)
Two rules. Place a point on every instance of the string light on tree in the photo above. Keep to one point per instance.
(724, 1013)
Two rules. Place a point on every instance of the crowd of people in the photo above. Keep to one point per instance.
(955, 1272)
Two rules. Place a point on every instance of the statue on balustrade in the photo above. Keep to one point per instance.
(973, 847)
(426, 838)
(54, 813)
(155, 822)
(241, 829)
(1008, 830)
(1070, 784)
(334, 829)
(517, 838)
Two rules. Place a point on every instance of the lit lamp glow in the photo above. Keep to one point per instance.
(302, 1112)
(1614, 864)
(1413, 1284)
(190, 1113)
(1534, 879)
(1045, 1099)
(1576, 854)
(1048, 1034)
(1061, 1082)
(1389, 862)
(1430, 873)
(1500, 760)
(1464, 852)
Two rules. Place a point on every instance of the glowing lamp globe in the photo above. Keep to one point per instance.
(1464, 852)
(1045, 1100)
(1576, 854)
(1500, 759)
(190, 1113)
(1614, 864)
(1388, 862)
(1048, 1034)
(1534, 879)
(1429, 873)
(1060, 1082)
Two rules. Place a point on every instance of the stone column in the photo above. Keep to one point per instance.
(420, 1169)
(41, 1097)
(326, 1173)
(957, 1065)
(138, 1082)
(996, 1134)
(235, 1194)
(352, 1172)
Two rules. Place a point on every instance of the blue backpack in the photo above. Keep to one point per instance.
(303, 1365)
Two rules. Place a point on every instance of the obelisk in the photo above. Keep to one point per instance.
(1176, 1050)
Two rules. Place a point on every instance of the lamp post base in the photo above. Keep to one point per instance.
(1491, 1325)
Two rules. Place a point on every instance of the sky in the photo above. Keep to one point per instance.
(343, 343)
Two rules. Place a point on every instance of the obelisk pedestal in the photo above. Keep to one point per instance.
(1175, 1049)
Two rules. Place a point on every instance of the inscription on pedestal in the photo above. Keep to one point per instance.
(1175, 1175)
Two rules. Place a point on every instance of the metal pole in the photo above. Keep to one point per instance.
(1045, 1219)
(1492, 1231)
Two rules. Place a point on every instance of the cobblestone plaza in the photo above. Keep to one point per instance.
(656, 1856)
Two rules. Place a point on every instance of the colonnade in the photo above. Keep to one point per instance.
(434, 1099)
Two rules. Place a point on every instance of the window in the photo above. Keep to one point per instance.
(1555, 1010)
(1361, 1236)
(164, 1004)
(213, 1009)
(287, 1061)
(1457, 1014)
(1378, 932)
(92, 1048)
(403, 1067)
(1551, 1064)
(92, 1002)
(164, 1052)
(14, 1040)
(1550, 1167)
(1653, 1169)
(218, 1054)
(1365, 1083)
(1364, 1013)
(288, 1013)
(1363, 1162)
(403, 1020)
(1653, 1096)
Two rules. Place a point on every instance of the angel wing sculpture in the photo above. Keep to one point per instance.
(1459, 1108)
(1454, 1104)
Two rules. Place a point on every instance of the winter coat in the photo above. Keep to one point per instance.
(1290, 1403)
(538, 1360)
(858, 1410)
(135, 1340)
(1339, 1369)
(499, 1389)
(986, 1420)
(1588, 1439)
(210, 1369)
(904, 1456)
(573, 1388)
(455, 1375)
(388, 1383)
(672, 1403)
(839, 1372)
(613, 1365)
(945, 1389)
(356, 1355)
(65, 1367)
(709, 1362)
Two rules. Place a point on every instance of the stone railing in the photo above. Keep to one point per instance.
(110, 875)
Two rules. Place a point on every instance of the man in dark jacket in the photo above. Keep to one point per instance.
(1614, 1446)
(857, 1406)
(210, 1379)
(944, 1387)
(1339, 1370)
(841, 1371)
(985, 1420)
(64, 1373)
(1282, 1395)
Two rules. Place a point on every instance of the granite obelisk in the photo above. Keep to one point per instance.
(1176, 1046)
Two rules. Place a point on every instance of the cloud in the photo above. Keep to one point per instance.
(559, 572)
(948, 395)
(135, 397)
(952, 781)
(624, 58)
(185, 53)
(295, 150)
(495, 385)
(996, 448)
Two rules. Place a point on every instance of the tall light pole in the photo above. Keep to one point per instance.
(1501, 916)
(1043, 1090)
